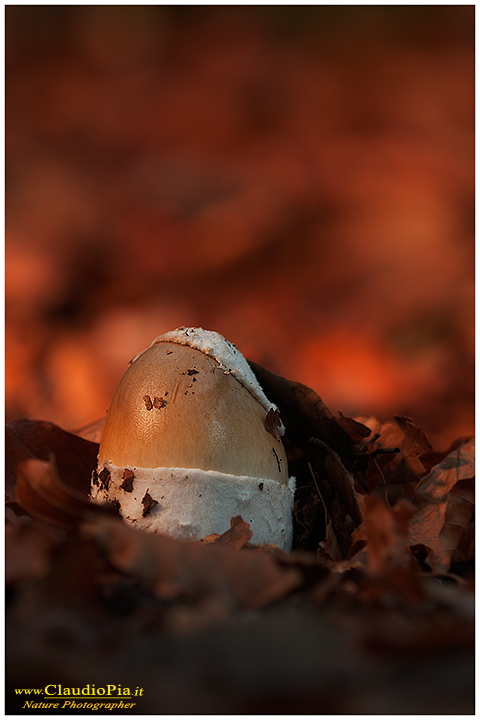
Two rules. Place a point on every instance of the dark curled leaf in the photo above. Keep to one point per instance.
(355, 430)
(302, 411)
(305, 416)
(75, 458)
(308, 518)
(44, 495)
(340, 480)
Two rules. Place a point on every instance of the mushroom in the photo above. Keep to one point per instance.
(190, 441)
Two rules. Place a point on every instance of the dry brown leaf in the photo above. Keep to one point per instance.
(465, 551)
(236, 537)
(340, 480)
(27, 550)
(329, 549)
(445, 500)
(460, 508)
(355, 430)
(75, 457)
(302, 411)
(386, 534)
(92, 431)
(414, 443)
(43, 494)
(407, 443)
(175, 568)
(391, 573)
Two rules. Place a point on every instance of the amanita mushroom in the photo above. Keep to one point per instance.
(191, 441)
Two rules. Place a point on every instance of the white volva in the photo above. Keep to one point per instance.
(191, 441)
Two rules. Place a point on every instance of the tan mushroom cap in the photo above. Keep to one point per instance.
(175, 407)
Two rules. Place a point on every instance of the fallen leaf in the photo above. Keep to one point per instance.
(355, 430)
(302, 411)
(92, 431)
(236, 537)
(43, 494)
(329, 549)
(445, 500)
(414, 443)
(465, 551)
(173, 568)
(27, 551)
(340, 479)
(386, 534)
(75, 458)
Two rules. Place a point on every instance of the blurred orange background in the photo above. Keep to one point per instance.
(300, 179)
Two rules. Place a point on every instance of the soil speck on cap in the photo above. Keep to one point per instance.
(159, 403)
(278, 460)
(148, 503)
(148, 402)
(104, 479)
(128, 478)
(272, 422)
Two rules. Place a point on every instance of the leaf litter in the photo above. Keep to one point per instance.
(371, 612)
